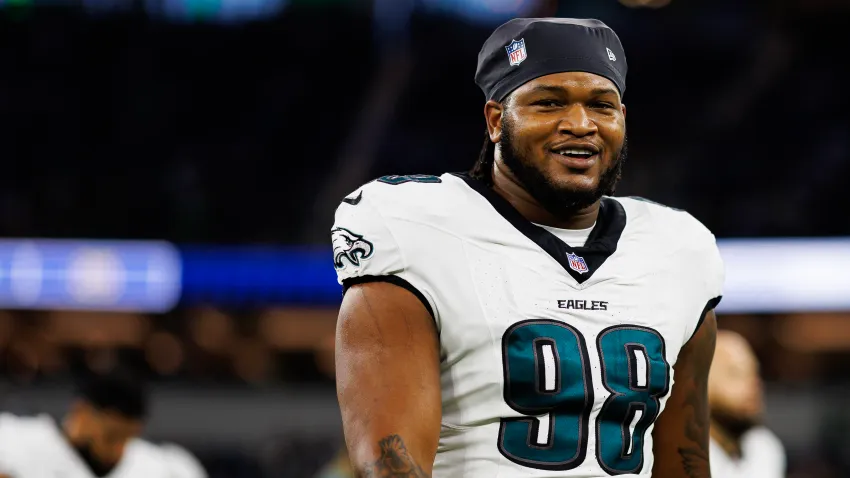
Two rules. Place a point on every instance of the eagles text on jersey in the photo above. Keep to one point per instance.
(557, 360)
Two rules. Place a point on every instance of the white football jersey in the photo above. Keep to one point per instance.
(183, 464)
(35, 447)
(762, 456)
(556, 360)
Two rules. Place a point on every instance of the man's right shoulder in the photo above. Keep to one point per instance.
(392, 225)
(409, 196)
(369, 221)
(19, 434)
(16, 424)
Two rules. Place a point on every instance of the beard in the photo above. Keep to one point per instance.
(558, 200)
(734, 425)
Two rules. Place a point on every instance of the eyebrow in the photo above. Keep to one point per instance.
(562, 90)
(604, 91)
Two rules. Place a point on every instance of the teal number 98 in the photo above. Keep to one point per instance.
(548, 380)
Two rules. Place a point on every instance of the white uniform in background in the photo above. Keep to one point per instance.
(35, 447)
(557, 355)
(762, 456)
(183, 463)
(177, 461)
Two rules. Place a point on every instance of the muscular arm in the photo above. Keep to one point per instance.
(681, 432)
(388, 381)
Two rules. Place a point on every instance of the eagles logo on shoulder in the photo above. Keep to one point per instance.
(349, 246)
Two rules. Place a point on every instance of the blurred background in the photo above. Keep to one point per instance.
(171, 167)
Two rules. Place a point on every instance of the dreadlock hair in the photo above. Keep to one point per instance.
(482, 170)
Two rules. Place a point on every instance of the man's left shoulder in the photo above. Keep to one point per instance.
(666, 223)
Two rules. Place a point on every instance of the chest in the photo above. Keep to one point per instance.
(568, 369)
(512, 282)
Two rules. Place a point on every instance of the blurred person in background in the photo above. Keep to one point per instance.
(98, 437)
(339, 467)
(487, 325)
(740, 446)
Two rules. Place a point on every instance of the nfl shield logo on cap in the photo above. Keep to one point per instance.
(577, 263)
(516, 52)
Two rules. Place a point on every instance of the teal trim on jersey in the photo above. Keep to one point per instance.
(636, 372)
(566, 396)
(395, 180)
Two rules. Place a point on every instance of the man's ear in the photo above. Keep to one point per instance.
(493, 111)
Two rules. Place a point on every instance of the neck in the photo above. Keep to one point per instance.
(509, 187)
(727, 441)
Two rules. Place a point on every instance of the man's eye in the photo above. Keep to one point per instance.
(546, 103)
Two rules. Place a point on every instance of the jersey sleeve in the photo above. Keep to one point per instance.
(366, 250)
(711, 274)
(715, 272)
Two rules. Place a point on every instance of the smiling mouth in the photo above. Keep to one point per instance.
(577, 153)
(577, 159)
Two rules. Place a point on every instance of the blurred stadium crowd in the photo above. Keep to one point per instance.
(125, 125)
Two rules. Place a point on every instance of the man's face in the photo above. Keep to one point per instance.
(734, 384)
(563, 136)
(100, 435)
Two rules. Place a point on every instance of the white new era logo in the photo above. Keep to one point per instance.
(611, 55)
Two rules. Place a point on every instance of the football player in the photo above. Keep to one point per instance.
(99, 437)
(518, 320)
(740, 445)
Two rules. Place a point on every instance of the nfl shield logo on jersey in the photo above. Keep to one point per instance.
(577, 263)
(516, 52)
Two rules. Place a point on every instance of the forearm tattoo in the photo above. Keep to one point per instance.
(394, 461)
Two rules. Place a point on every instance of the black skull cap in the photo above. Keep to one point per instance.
(527, 48)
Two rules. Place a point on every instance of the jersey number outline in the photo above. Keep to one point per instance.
(547, 378)
(395, 180)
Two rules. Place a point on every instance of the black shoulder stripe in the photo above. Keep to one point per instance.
(710, 305)
(395, 280)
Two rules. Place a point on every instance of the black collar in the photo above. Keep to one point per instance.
(579, 262)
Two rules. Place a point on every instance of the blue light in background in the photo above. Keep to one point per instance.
(488, 12)
(89, 275)
(216, 11)
(762, 275)
(153, 276)
(259, 276)
(392, 19)
(390, 14)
